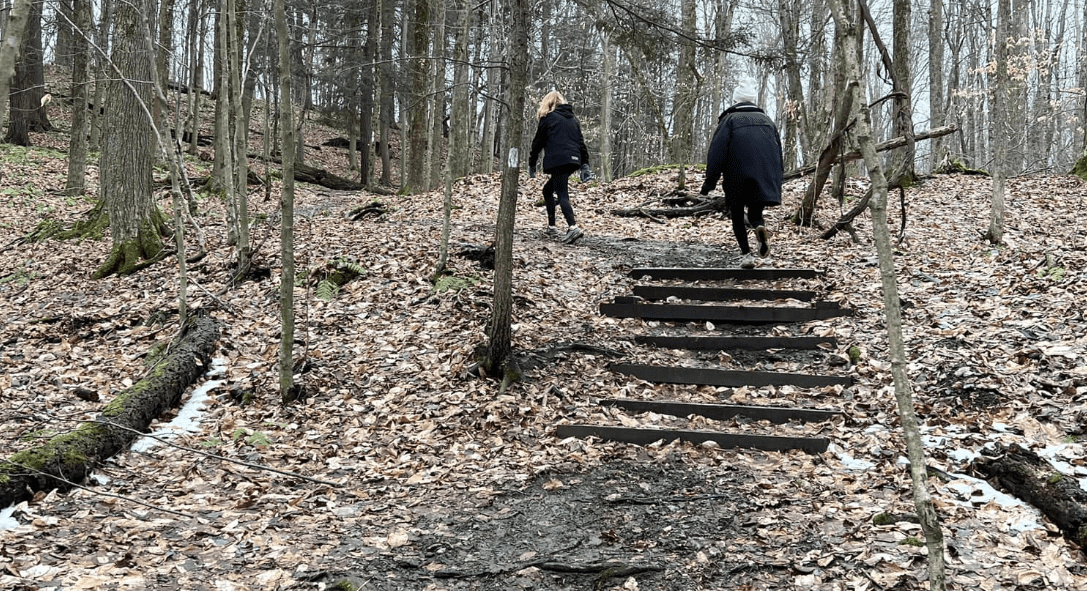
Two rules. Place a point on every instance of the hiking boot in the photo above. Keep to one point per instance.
(763, 237)
(573, 234)
(552, 232)
(747, 261)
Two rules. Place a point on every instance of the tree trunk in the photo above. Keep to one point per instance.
(436, 94)
(388, 107)
(197, 31)
(792, 136)
(69, 458)
(136, 224)
(239, 135)
(607, 86)
(77, 149)
(902, 118)
(164, 50)
(499, 355)
(28, 84)
(102, 40)
(366, 100)
(459, 115)
(9, 51)
(891, 304)
(999, 126)
(936, 77)
(64, 16)
(686, 90)
(415, 167)
(287, 390)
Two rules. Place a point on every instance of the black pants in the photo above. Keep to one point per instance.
(559, 186)
(754, 215)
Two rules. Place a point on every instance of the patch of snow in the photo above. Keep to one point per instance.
(188, 418)
(6, 519)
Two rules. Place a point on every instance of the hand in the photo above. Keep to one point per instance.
(586, 174)
(532, 173)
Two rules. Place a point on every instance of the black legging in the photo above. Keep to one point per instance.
(558, 184)
(754, 215)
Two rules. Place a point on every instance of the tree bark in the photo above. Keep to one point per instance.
(936, 107)
(287, 390)
(9, 52)
(459, 115)
(386, 101)
(136, 224)
(70, 457)
(28, 112)
(77, 149)
(999, 126)
(415, 167)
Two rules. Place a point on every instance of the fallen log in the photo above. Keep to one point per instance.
(69, 457)
(701, 206)
(890, 144)
(1025, 475)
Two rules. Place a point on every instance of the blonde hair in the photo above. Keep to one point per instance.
(549, 102)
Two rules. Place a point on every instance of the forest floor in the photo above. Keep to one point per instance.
(434, 480)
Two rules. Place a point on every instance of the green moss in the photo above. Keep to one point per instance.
(344, 586)
(62, 449)
(854, 354)
(156, 353)
(1080, 169)
(39, 434)
(1054, 478)
(911, 542)
(453, 283)
(883, 519)
(120, 401)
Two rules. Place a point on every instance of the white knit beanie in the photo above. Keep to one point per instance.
(746, 91)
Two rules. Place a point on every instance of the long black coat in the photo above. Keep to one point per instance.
(746, 154)
(558, 135)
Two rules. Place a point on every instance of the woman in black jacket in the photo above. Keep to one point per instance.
(746, 152)
(558, 134)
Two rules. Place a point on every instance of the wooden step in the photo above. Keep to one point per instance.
(719, 273)
(719, 294)
(727, 377)
(720, 412)
(624, 308)
(729, 343)
(725, 440)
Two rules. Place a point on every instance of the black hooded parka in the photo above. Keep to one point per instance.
(746, 154)
(559, 136)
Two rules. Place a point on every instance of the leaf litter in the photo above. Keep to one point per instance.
(445, 484)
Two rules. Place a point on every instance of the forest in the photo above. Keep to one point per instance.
(281, 310)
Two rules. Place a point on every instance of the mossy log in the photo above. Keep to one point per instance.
(69, 457)
(1023, 474)
(1080, 169)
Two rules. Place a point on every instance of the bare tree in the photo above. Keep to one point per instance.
(936, 77)
(136, 224)
(287, 390)
(930, 524)
(999, 123)
(498, 358)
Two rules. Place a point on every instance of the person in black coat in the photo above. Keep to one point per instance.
(558, 135)
(746, 155)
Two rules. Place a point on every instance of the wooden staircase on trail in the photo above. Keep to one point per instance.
(656, 303)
